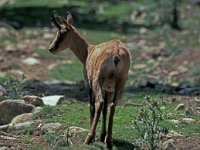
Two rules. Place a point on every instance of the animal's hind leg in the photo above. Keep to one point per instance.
(92, 105)
(99, 103)
(104, 115)
(117, 96)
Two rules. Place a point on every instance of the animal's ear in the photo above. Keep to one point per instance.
(65, 22)
(69, 18)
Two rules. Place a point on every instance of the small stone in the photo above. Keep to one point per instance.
(22, 118)
(188, 120)
(169, 144)
(34, 100)
(182, 69)
(139, 66)
(180, 107)
(197, 101)
(51, 127)
(73, 131)
(173, 73)
(175, 121)
(31, 61)
(4, 148)
(52, 100)
(37, 110)
(174, 135)
(143, 30)
(190, 111)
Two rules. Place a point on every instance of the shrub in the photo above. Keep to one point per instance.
(14, 89)
(148, 125)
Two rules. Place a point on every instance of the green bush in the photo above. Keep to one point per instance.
(14, 89)
(148, 124)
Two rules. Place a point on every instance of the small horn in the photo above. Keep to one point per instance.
(54, 20)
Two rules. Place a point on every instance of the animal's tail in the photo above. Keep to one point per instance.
(116, 60)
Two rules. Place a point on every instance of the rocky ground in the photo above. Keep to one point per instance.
(170, 70)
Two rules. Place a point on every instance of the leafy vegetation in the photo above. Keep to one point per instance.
(14, 88)
(148, 124)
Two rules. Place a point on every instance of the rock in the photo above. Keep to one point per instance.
(180, 107)
(73, 131)
(2, 90)
(197, 102)
(11, 108)
(4, 148)
(182, 69)
(188, 120)
(173, 73)
(168, 145)
(31, 61)
(52, 100)
(189, 91)
(51, 127)
(22, 118)
(190, 111)
(174, 135)
(37, 110)
(143, 30)
(4, 127)
(139, 66)
(34, 100)
(175, 121)
(20, 125)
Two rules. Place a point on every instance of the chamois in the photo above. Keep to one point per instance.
(105, 69)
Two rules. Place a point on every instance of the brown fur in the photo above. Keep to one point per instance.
(105, 68)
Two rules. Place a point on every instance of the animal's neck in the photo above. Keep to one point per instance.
(79, 46)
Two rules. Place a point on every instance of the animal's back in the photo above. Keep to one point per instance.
(108, 62)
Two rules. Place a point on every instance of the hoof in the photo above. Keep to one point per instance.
(89, 139)
(109, 143)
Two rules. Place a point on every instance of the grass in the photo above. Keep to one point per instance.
(64, 71)
(77, 114)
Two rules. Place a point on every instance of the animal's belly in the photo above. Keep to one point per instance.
(109, 85)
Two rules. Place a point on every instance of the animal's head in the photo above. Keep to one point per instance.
(64, 35)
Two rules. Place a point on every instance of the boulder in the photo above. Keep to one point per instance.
(52, 100)
(34, 100)
(22, 118)
(11, 108)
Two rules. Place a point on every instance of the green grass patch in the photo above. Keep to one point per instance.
(96, 36)
(68, 71)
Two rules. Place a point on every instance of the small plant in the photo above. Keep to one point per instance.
(58, 140)
(13, 87)
(148, 124)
